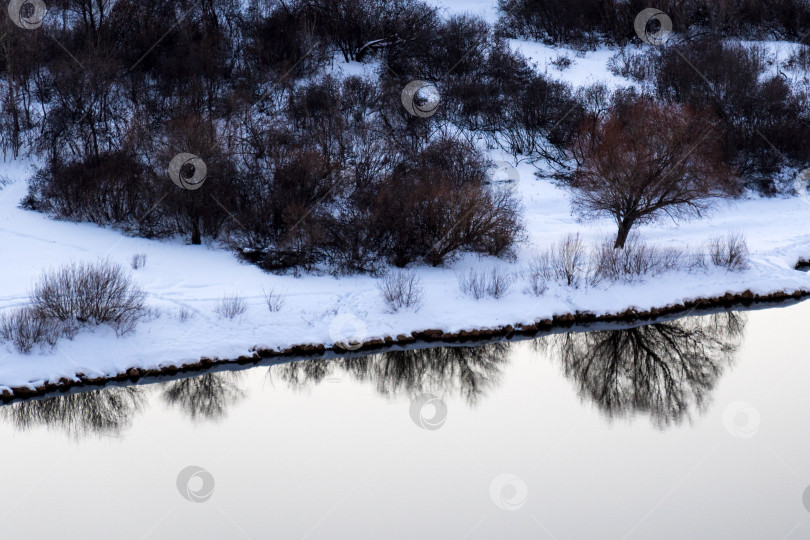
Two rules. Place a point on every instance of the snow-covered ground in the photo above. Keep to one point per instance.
(486, 9)
(586, 67)
(325, 309)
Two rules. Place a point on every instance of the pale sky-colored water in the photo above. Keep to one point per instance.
(342, 458)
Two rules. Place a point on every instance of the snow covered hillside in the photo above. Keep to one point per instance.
(324, 309)
(185, 283)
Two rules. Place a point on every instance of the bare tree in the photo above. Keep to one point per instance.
(645, 161)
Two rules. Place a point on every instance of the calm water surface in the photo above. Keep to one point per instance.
(695, 428)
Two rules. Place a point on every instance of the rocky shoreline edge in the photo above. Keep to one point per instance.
(429, 336)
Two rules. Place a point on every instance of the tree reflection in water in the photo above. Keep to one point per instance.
(104, 412)
(468, 372)
(206, 397)
(663, 370)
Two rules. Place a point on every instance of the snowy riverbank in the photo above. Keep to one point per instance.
(184, 283)
(325, 309)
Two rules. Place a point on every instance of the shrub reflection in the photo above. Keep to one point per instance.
(206, 397)
(105, 412)
(468, 372)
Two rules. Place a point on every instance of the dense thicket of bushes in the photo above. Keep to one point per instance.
(306, 169)
(765, 122)
(303, 169)
(589, 21)
(763, 118)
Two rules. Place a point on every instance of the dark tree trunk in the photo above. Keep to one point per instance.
(196, 238)
(624, 232)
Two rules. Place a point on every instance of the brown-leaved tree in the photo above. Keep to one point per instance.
(645, 161)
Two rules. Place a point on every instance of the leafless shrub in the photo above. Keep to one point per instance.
(231, 306)
(432, 211)
(695, 259)
(799, 60)
(561, 62)
(473, 284)
(275, 301)
(539, 274)
(640, 67)
(635, 262)
(730, 252)
(26, 327)
(138, 261)
(184, 314)
(90, 293)
(566, 262)
(69, 297)
(571, 263)
(401, 289)
(495, 283)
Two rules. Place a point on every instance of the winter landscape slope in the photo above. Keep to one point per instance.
(184, 283)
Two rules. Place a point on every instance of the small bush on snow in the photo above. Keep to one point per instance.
(495, 283)
(566, 262)
(184, 314)
(730, 252)
(275, 301)
(70, 297)
(401, 289)
(138, 261)
(538, 275)
(26, 327)
(90, 293)
(231, 306)
(572, 263)
(634, 262)
(562, 62)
